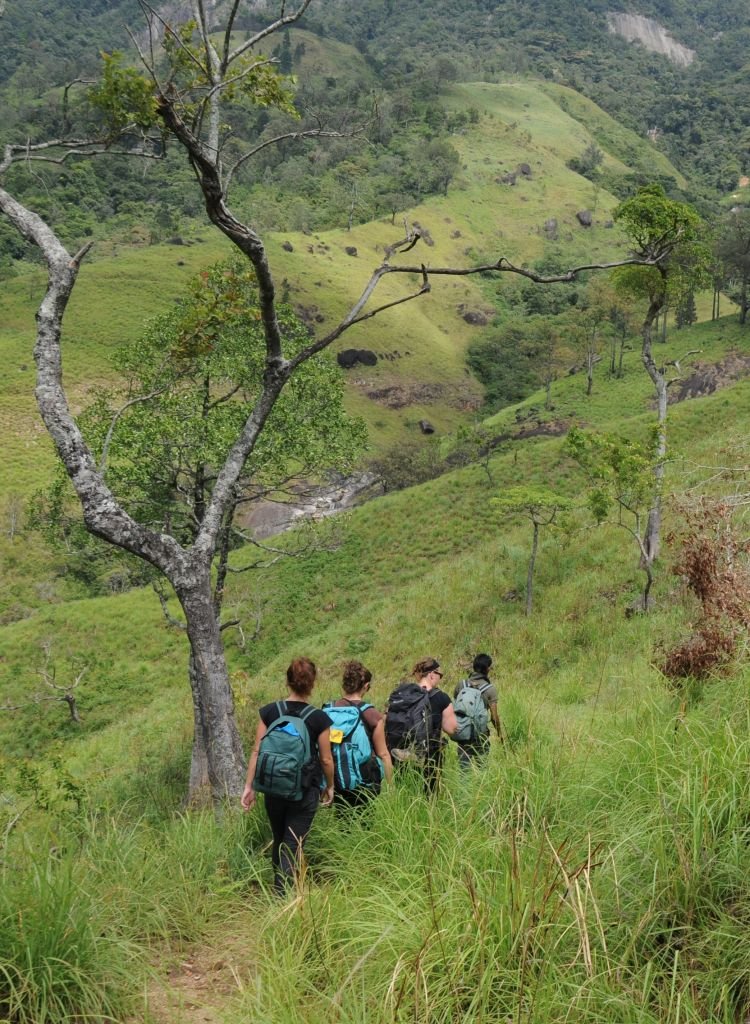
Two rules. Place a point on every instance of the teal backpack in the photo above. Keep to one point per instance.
(354, 761)
(285, 757)
(471, 713)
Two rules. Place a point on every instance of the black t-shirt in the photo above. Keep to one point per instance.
(439, 701)
(316, 722)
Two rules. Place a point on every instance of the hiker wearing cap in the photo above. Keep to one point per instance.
(417, 714)
(360, 754)
(475, 705)
(290, 760)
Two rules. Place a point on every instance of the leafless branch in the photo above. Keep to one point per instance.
(149, 10)
(225, 50)
(116, 419)
(283, 20)
(307, 133)
(61, 693)
(158, 589)
(244, 640)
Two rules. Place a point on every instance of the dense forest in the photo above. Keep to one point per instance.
(697, 114)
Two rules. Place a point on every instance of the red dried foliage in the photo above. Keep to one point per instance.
(712, 561)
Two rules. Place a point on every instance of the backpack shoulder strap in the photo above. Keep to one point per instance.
(306, 712)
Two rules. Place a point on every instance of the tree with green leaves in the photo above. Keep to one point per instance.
(685, 315)
(670, 233)
(733, 253)
(622, 482)
(542, 508)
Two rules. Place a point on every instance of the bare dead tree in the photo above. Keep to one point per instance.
(61, 692)
(192, 117)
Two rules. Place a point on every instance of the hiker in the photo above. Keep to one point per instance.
(475, 704)
(290, 759)
(417, 713)
(360, 755)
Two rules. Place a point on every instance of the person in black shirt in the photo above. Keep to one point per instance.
(291, 820)
(428, 674)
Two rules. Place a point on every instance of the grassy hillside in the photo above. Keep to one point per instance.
(594, 872)
(121, 286)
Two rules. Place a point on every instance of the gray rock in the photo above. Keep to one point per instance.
(350, 250)
(585, 218)
(349, 358)
(550, 228)
(287, 247)
(426, 427)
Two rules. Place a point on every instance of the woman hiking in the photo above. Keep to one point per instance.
(417, 713)
(290, 759)
(357, 740)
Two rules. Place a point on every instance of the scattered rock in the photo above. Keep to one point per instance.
(475, 317)
(525, 170)
(349, 357)
(175, 240)
(287, 247)
(550, 228)
(180, 263)
(509, 178)
(585, 218)
(426, 427)
(456, 234)
(350, 250)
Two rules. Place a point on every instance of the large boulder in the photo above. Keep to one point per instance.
(349, 357)
(585, 218)
(525, 170)
(426, 427)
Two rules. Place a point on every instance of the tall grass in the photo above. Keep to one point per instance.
(551, 887)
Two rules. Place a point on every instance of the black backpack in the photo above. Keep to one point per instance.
(408, 720)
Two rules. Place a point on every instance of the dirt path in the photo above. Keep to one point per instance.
(199, 986)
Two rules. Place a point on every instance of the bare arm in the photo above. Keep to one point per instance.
(380, 748)
(496, 719)
(326, 763)
(248, 794)
(449, 722)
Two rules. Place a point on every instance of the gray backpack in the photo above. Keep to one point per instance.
(471, 712)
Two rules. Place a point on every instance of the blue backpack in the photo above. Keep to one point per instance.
(354, 760)
(285, 761)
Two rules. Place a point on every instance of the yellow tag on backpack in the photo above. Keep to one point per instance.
(337, 735)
